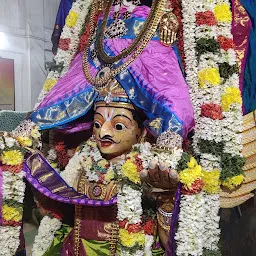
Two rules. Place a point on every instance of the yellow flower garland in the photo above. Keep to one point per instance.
(25, 141)
(129, 170)
(11, 214)
(191, 174)
(231, 96)
(233, 182)
(211, 182)
(130, 239)
(209, 76)
(222, 13)
(109, 175)
(71, 19)
(35, 134)
(49, 84)
(12, 157)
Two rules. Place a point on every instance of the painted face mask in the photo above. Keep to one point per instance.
(115, 130)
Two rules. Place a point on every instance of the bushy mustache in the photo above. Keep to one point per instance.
(109, 138)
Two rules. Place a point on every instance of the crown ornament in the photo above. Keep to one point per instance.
(167, 141)
(112, 94)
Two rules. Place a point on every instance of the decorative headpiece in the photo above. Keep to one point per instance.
(112, 95)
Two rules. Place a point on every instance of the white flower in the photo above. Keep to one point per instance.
(51, 155)
(2, 146)
(13, 186)
(72, 170)
(149, 240)
(10, 142)
(190, 233)
(9, 241)
(129, 204)
(128, 253)
(45, 235)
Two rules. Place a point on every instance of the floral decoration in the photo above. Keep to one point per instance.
(46, 231)
(206, 18)
(136, 226)
(211, 110)
(211, 73)
(223, 13)
(231, 96)
(71, 19)
(12, 152)
(209, 76)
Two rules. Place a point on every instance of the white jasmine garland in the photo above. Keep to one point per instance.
(72, 170)
(46, 231)
(129, 204)
(13, 186)
(190, 233)
(9, 241)
(212, 230)
(210, 162)
(149, 241)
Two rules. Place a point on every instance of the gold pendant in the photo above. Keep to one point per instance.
(97, 191)
(169, 26)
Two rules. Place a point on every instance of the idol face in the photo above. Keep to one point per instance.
(115, 131)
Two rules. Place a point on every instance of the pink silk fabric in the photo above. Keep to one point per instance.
(157, 66)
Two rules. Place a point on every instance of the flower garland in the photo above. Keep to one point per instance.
(136, 226)
(12, 185)
(199, 208)
(46, 231)
(211, 73)
(68, 44)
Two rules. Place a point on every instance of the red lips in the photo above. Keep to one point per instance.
(106, 143)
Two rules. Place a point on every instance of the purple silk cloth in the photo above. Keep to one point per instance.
(76, 127)
(1, 194)
(70, 84)
(170, 249)
(241, 27)
(157, 66)
(47, 181)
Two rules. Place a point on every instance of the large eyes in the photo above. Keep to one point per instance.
(120, 126)
(97, 125)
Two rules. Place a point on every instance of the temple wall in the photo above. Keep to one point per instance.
(25, 36)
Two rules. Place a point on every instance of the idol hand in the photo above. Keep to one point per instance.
(160, 176)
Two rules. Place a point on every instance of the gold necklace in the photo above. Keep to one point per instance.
(103, 81)
(126, 52)
(78, 215)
